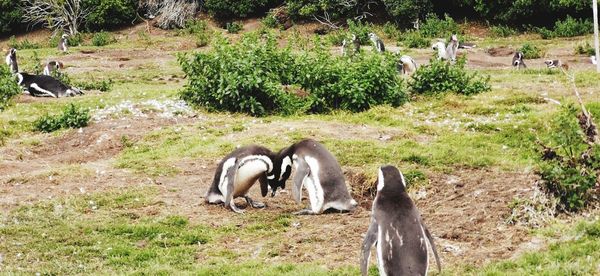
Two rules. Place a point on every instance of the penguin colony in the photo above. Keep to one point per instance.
(45, 85)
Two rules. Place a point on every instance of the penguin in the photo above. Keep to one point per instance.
(63, 43)
(236, 174)
(518, 62)
(440, 47)
(452, 48)
(397, 230)
(45, 86)
(344, 49)
(593, 60)
(555, 63)
(466, 45)
(318, 171)
(52, 66)
(356, 44)
(377, 43)
(11, 60)
(407, 65)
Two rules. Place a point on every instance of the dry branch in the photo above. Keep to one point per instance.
(57, 15)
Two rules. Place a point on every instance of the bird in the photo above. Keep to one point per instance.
(377, 42)
(593, 59)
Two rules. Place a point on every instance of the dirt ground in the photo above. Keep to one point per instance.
(465, 210)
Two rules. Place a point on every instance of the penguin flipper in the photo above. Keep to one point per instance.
(369, 241)
(435, 254)
(231, 172)
(264, 187)
(303, 170)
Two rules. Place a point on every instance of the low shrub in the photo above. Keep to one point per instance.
(569, 27)
(391, 31)
(8, 87)
(585, 49)
(195, 26)
(502, 31)
(23, 44)
(530, 51)
(101, 85)
(270, 21)
(103, 39)
(71, 117)
(434, 27)
(441, 77)
(107, 14)
(570, 165)
(414, 39)
(224, 9)
(361, 30)
(234, 27)
(11, 16)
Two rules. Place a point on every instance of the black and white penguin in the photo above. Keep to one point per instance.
(236, 174)
(407, 65)
(440, 47)
(52, 66)
(318, 171)
(553, 63)
(11, 60)
(593, 60)
(346, 50)
(397, 229)
(63, 43)
(467, 45)
(377, 43)
(452, 48)
(45, 86)
(517, 61)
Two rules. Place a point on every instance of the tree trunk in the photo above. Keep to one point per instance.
(596, 41)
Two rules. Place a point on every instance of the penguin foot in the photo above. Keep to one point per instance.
(304, 212)
(235, 208)
(253, 203)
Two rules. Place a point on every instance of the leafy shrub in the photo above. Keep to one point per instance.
(433, 26)
(361, 30)
(107, 14)
(195, 26)
(411, 9)
(225, 9)
(502, 31)
(569, 27)
(10, 17)
(530, 51)
(8, 87)
(585, 49)
(569, 167)
(23, 44)
(102, 39)
(441, 77)
(101, 85)
(414, 39)
(335, 9)
(270, 21)
(234, 27)
(391, 31)
(254, 75)
(71, 117)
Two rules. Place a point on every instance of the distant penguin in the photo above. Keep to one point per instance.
(552, 63)
(407, 65)
(346, 50)
(45, 86)
(440, 47)
(52, 66)
(11, 60)
(318, 171)
(452, 48)
(63, 43)
(593, 59)
(397, 229)
(377, 43)
(518, 62)
(236, 174)
(466, 45)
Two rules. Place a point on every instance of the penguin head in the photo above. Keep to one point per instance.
(12, 52)
(454, 38)
(282, 169)
(390, 180)
(64, 36)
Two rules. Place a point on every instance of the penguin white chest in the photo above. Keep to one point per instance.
(247, 174)
(8, 61)
(313, 185)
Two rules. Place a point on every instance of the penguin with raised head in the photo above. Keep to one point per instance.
(11, 60)
(63, 43)
(517, 61)
(377, 43)
(440, 47)
(52, 66)
(452, 48)
(407, 65)
(397, 230)
(236, 174)
(45, 86)
(318, 171)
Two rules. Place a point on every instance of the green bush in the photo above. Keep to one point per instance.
(569, 27)
(530, 51)
(502, 31)
(8, 87)
(409, 9)
(23, 44)
(101, 85)
(11, 16)
(107, 14)
(270, 21)
(391, 31)
(569, 167)
(434, 27)
(103, 39)
(414, 39)
(227, 9)
(71, 117)
(234, 27)
(253, 76)
(441, 77)
(195, 26)
(585, 49)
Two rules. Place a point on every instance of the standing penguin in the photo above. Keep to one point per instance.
(377, 43)
(452, 48)
(440, 47)
(593, 60)
(236, 174)
(63, 43)
(407, 65)
(318, 171)
(518, 62)
(397, 229)
(11, 60)
(52, 66)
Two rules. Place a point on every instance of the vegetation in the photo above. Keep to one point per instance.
(8, 87)
(570, 27)
(234, 27)
(223, 9)
(502, 31)
(103, 39)
(23, 44)
(71, 117)
(441, 76)
(108, 14)
(585, 49)
(530, 51)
